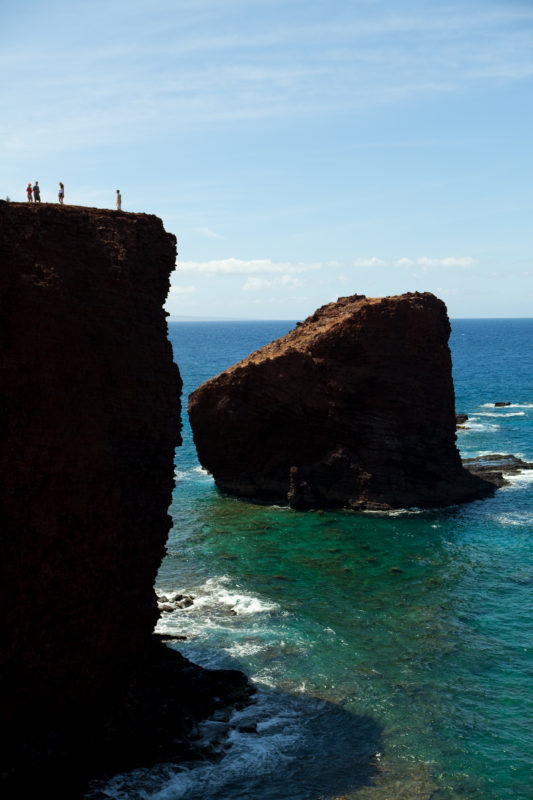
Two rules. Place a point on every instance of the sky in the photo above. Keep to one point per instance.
(300, 150)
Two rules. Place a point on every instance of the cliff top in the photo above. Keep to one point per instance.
(72, 248)
(43, 208)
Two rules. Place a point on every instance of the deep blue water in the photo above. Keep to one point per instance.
(392, 652)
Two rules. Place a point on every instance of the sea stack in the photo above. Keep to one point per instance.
(353, 408)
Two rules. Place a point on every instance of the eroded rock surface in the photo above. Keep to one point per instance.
(90, 402)
(354, 408)
(495, 467)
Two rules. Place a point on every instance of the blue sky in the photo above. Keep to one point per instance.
(300, 150)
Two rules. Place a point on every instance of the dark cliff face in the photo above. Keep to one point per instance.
(89, 403)
(355, 408)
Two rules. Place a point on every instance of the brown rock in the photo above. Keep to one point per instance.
(355, 408)
(90, 401)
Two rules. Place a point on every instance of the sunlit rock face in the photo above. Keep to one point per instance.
(353, 408)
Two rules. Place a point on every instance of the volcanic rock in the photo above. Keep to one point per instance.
(494, 467)
(354, 408)
(90, 418)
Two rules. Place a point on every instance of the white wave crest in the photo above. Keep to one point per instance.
(511, 405)
(254, 744)
(473, 424)
(515, 519)
(192, 474)
(218, 592)
(501, 415)
(519, 480)
(397, 512)
(215, 605)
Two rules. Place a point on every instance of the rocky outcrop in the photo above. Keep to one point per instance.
(89, 399)
(495, 467)
(353, 408)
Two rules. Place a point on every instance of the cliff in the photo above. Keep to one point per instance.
(90, 404)
(353, 408)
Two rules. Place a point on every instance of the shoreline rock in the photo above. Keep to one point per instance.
(353, 408)
(495, 467)
(166, 697)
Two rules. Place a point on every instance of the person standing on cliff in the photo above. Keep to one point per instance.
(61, 194)
(29, 193)
(36, 193)
(119, 200)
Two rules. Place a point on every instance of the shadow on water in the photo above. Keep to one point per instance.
(281, 746)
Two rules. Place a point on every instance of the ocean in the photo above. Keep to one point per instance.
(391, 651)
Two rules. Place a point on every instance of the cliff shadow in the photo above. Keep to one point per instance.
(280, 746)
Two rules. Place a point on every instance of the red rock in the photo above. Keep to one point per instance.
(353, 408)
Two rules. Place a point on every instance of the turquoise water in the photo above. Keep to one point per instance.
(392, 652)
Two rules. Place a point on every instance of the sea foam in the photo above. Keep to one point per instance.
(501, 415)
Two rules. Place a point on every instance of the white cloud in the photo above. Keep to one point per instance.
(369, 262)
(405, 262)
(285, 269)
(182, 289)
(254, 284)
(464, 262)
(237, 266)
(448, 262)
(297, 67)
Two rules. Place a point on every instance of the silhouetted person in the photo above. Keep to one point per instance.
(119, 200)
(36, 193)
(61, 194)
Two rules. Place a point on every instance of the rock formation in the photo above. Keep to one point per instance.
(89, 399)
(354, 408)
(494, 467)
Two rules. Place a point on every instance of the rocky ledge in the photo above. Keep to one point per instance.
(90, 402)
(496, 466)
(353, 408)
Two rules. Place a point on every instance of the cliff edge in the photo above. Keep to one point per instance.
(353, 408)
(90, 418)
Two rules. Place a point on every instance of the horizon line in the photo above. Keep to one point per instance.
(183, 318)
